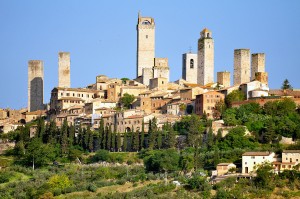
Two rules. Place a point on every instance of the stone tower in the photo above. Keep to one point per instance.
(205, 58)
(189, 67)
(241, 66)
(35, 85)
(161, 68)
(64, 70)
(145, 44)
(224, 78)
(262, 77)
(257, 64)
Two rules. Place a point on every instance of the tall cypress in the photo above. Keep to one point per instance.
(142, 140)
(113, 141)
(109, 138)
(125, 142)
(101, 134)
(119, 142)
(64, 138)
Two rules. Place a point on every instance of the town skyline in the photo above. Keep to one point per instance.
(110, 48)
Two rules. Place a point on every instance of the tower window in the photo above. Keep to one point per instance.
(207, 35)
(191, 63)
(146, 36)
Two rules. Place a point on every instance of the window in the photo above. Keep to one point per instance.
(146, 36)
(254, 162)
(283, 166)
(245, 162)
(192, 63)
(296, 160)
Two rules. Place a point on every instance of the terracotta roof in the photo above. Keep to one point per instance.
(38, 112)
(70, 98)
(77, 89)
(224, 164)
(134, 117)
(264, 153)
(291, 151)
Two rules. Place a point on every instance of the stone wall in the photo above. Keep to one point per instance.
(145, 43)
(241, 66)
(257, 64)
(64, 70)
(190, 67)
(224, 78)
(35, 85)
(205, 58)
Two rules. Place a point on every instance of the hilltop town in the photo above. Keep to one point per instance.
(213, 116)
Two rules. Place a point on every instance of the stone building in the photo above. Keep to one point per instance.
(64, 70)
(62, 98)
(159, 83)
(189, 67)
(145, 44)
(224, 78)
(206, 102)
(161, 68)
(262, 77)
(35, 85)
(205, 58)
(252, 159)
(257, 64)
(241, 66)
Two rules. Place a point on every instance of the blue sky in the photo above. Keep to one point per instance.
(101, 37)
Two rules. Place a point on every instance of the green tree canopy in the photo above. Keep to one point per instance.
(286, 85)
(234, 96)
(127, 100)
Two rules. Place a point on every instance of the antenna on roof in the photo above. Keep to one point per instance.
(190, 49)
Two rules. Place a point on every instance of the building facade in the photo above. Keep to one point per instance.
(35, 85)
(205, 103)
(189, 67)
(241, 66)
(205, 58)
(224, 78)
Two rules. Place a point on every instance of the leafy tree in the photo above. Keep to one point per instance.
(200, 183)
(159, 139)
(186, 161)
(59, 182)
(234, 96)
(265, 177)
(162, 160)
(219, 109)
(127, 100)
(286, 85)
(230, 118)
(40, 131)
(124, 79)
(38, 154)
(101, 155)
(171, 138)
(195, 131)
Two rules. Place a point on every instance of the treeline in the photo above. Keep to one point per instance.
(267, 123)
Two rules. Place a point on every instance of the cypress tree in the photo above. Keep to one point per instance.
(113, 141)
(125, 142)
(171, 138)
(142, 140)
(159, 139)
(90, 139)
(101, 134)
(119, 142)
(105, 138)
(136, 141)
(64, 138)
(109, 138)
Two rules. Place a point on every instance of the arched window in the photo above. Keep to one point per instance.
(146, 22)
(192, 63)
(207, 35)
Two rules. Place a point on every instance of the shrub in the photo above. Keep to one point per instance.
(92, 188)
(4, 176)
(101, 155)
(121, 182)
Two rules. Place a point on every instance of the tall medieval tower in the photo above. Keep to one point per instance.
(224, 78)
(257, 64)
(205, 58)
(189, 67)
(35, 85)
(64, 70)
(241, 66)
(145, 45)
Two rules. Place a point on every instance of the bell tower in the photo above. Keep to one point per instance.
(145, 44)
